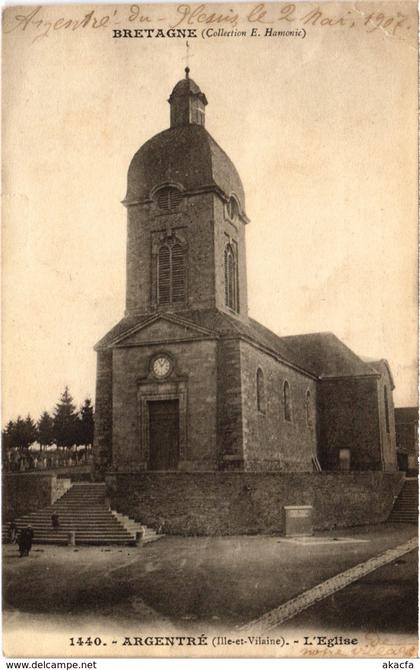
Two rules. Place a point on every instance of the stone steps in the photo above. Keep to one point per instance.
(405, 509)
(82, 510)
(135, 527)
(400, 518)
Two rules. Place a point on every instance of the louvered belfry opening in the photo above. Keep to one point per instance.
(231, 279)
(178, 274)
(164, 275)
(171, 274)
(168, 198)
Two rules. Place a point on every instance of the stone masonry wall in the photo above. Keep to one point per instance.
(272, 442)
(229, 399)
(348, 415)
(388, 438)
(195, 363)
(193, 222)
(229, 503)
(102, 443)
(27, 492)
(225, 232)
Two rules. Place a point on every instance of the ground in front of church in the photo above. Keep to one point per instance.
(217, 582)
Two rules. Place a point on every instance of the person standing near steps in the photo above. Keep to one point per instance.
(25, 539)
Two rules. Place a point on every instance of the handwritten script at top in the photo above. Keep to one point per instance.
(39, 22)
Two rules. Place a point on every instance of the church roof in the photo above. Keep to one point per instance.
(381, 366)
(406, 415)
(185, 155)
(185, 86)
(320, 355)
(325, 355)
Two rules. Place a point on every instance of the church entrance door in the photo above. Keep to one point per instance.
(163, 434)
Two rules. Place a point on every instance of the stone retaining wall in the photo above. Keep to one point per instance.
(27, 492)
(229, 503)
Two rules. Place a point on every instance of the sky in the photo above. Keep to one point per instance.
(322, 130)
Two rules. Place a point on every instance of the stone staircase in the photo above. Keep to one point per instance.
(405, 509)
(83, 510)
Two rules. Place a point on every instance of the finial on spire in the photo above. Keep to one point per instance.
(186, 100)
(187, 60)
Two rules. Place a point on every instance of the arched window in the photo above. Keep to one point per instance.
(287, 406)
(308, 408)
(170, 274)
(232, 208)
(231, 278)
(386, 409)
(260, 391)
(168, 198)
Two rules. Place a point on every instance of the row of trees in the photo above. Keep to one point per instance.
(65, 427)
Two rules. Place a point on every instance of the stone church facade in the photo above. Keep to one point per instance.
(187, 380)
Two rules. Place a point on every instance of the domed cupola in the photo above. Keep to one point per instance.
(187, 103)
(185, 154)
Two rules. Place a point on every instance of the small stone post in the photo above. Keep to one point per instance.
(71, 538)
(298, 520)
(139, 537)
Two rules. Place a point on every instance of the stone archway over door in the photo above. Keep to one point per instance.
(162, 412)
(163, 434)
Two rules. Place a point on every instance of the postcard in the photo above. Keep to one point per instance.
(210, 409)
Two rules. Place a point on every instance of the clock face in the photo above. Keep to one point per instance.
(161, 366)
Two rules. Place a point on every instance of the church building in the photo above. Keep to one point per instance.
(187, 380)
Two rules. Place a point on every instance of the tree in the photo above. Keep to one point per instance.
(30, 432)
(24, 433)
(86, 424)
(45, 430)
(7, 442)
(65, 421)
(17, 435)
(8, 436)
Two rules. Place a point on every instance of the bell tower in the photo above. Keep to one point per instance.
(186, 218)
(187, 103)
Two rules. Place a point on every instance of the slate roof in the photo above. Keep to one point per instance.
(405, 415)
(319, 354)
(184, 87)
(326, 356)
(187, 155)
(381, 366)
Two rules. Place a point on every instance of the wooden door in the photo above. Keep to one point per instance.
(163, 434)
